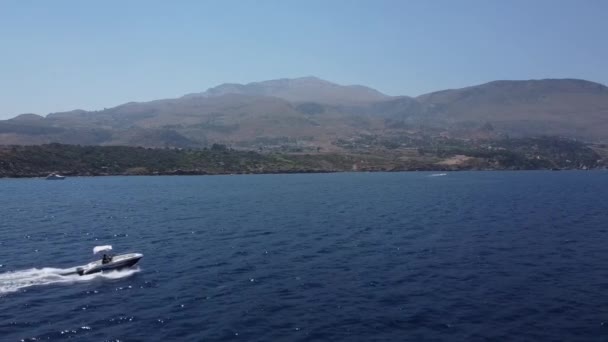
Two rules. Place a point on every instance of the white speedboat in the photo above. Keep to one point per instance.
(109, 262)
(55, 176)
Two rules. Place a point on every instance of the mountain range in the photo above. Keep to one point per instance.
(311, 114)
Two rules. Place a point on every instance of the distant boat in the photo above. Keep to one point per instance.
(55, 176)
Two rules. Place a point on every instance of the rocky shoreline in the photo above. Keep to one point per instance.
(270, 172)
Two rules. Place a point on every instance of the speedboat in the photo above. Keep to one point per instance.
(109, 262)
(55, 176)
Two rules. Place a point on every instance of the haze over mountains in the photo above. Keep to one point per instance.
(299, 90)
(309, 112)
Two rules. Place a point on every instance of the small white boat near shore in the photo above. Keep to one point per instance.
(55, 176)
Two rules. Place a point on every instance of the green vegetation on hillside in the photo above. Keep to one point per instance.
(438, 154)
(28, 161)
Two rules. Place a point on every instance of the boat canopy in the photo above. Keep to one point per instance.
(98, 249)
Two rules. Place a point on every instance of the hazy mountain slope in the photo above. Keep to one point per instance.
(305, 89)
(309, 112)
(228, 118)
(554, 106)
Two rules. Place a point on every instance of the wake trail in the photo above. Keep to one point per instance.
(438, 175)
(17, 280)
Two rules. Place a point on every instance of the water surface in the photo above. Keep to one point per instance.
(356, 256)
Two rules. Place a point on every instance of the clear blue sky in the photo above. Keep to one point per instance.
(62, 55)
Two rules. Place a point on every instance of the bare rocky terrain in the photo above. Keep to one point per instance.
(313, 115)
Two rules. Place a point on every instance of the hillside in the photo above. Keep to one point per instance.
(566, 107)
(310, 114)
(439, 155)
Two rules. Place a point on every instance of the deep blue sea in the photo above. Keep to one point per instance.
(469, 256)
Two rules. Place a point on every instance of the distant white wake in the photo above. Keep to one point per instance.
(14, 281)
(438, 175)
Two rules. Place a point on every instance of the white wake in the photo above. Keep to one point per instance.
(438, 175)
(17, 280)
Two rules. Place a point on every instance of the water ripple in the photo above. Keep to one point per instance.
(472, 256)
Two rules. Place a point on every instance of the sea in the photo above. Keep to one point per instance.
(412, 256)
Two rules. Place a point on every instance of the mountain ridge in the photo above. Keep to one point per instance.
(308, 113)
(302, 89)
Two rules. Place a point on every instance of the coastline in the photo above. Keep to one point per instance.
(73, 161)
(284, 172)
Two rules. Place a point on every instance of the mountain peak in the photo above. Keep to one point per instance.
(28, 117)
(301, 89)
(562, 84)
(502, 89)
